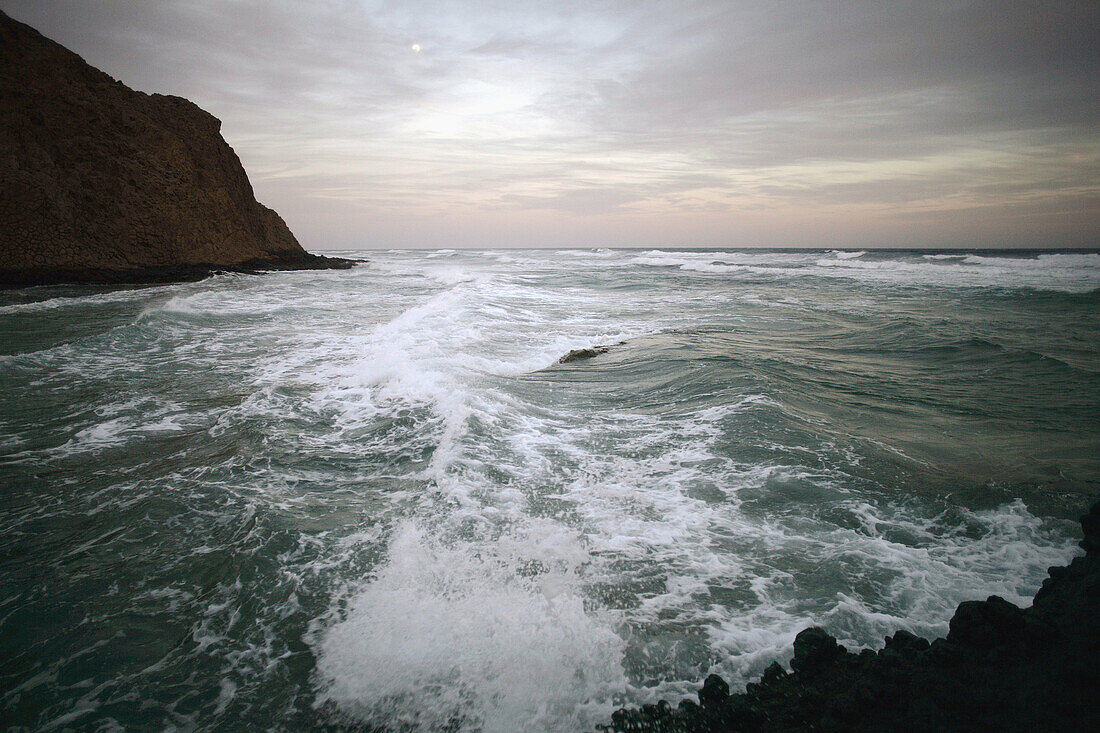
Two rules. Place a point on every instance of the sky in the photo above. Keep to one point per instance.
(689, 123)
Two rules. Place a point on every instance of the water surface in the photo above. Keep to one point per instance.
(374, 496)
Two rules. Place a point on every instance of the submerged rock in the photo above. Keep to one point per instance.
(1000, 668)
(99, 182)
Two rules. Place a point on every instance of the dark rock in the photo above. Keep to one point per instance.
(906, 643)
(943, 653)
(987, 623)
(772, 674)
(100, 183)
(623, 719)
(891, 659)
(578, 354)
(714, 692)
(815, 650)
(1090, 523)
(1001, 668)
(866, 658)
(739, 715)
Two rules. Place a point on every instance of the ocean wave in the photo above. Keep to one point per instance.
(387, 465)
(473, 638)
(83, 301)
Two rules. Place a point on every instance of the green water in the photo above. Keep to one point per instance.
(373, 496)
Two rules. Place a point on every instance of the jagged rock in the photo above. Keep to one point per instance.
(1001, 668)
(1090, 524)
(814, 650)
(100, 182)
(943, 653)
(714, 692)
(688, 706)
(906, 643)
(986, 623)
(577, 354)
(772, 674)
(587, 353)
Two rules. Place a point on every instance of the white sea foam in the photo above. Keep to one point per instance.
(670, 521)
(1062, 272)
(449, 634)
(117, 423)
(1069, 273)
(452, 275)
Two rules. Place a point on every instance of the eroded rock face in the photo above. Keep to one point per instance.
(98, 181)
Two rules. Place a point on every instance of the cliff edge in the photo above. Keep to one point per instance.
(1000, 668)
(99, 182)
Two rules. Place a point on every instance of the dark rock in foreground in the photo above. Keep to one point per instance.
(100, 183)
(1000, 668)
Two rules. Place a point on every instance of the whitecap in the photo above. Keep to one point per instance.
(445, 635)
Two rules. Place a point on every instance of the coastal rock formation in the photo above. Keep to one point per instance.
(101, 182)
(1000, 668)
(586, 353)
(578, 354)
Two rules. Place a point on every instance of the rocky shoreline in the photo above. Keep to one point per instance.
(1000, 668)
(165, 273)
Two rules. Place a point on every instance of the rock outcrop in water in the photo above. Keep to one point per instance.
(586, 353)
(99, 182)
(578, 354)
(1000, 668)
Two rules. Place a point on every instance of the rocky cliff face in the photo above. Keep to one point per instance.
(100, 182)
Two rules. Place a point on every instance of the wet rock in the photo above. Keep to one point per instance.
(1090, 523)
(588, 353)
(578, 354)
(714, 692)
(906, 643)
(772, 674)
(1001, 668)
(942, 653)
(815, 650)
(986, 624)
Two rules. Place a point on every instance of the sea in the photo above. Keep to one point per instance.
(375, 498)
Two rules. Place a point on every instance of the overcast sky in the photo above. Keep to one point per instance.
(425, 123)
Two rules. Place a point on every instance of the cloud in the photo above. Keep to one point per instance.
(636, 119)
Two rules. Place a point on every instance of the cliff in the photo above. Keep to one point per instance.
(1000, 668)
(99, 182)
